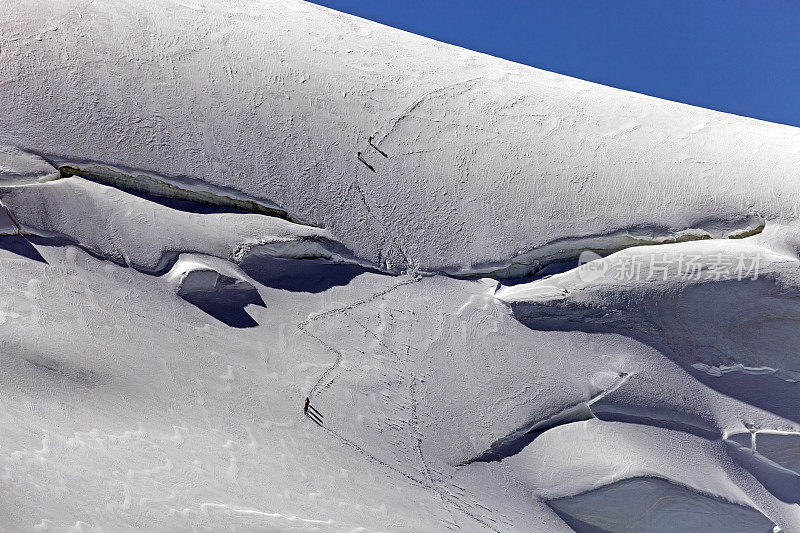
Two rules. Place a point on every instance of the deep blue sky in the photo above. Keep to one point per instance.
(738, 56)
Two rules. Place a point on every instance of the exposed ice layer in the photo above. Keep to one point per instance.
(412, 153)
(719, 370)
(162, 188)
(308, 247)
(148, 236)
(658, 506)
(568, 250)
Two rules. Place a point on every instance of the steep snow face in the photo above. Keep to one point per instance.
(655, 505)
(414, 154)
(737, 310)
(234, 238)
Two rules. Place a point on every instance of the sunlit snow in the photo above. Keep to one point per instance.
(514, 300)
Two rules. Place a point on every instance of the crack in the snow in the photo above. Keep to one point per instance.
(517, 440)
(147, 184)
(569, 249)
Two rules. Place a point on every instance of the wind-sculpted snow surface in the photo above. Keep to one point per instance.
(652, 504)
(240, 249)
(146, 234)
(414, 154)
(717, 306)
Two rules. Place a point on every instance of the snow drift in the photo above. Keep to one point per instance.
(212, 211)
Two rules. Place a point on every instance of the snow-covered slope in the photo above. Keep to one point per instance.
(466, 161)
(212, 210)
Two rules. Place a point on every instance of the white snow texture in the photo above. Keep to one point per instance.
(213, 210)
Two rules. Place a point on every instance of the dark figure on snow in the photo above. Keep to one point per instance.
(305, 407)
